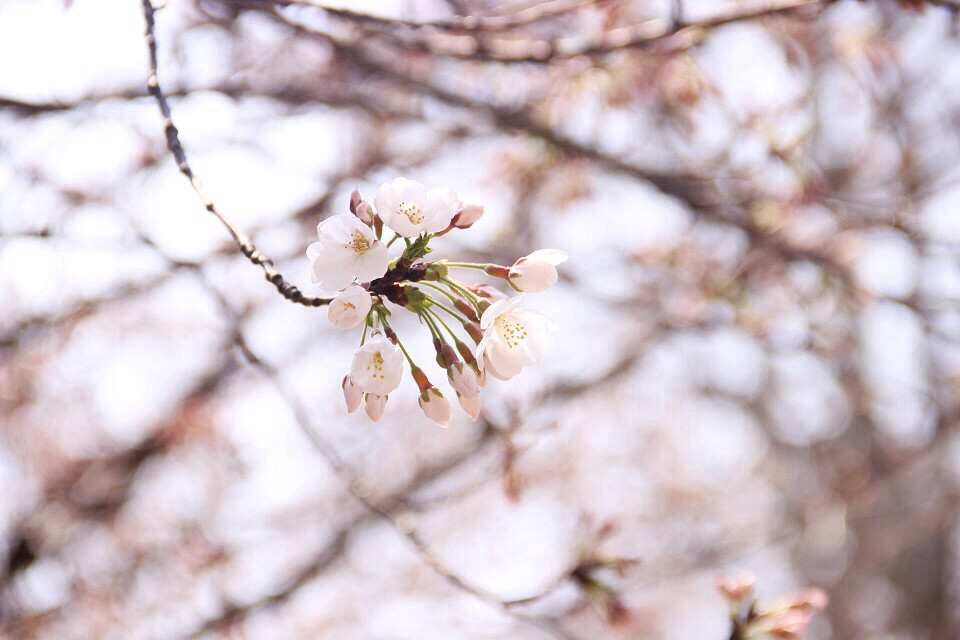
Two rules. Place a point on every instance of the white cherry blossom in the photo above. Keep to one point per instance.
(377, 366)
(512, 338)
(350, 307)
(407, 207)
(537, 271)
(347, 251)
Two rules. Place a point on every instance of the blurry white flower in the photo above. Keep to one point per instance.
(512, 338)
(409, 209)
(463, 379)
(537, 271)
(435, 406)
(374, 406)
(350, 307)
(351, 394)
(377, 366)
(470, 404)
(348, 250)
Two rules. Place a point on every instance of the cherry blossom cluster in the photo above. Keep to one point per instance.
(352, 257)
(785, 619)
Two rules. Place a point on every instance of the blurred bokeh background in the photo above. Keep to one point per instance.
(757, 366)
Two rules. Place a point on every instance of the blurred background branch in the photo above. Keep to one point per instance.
(758, 366)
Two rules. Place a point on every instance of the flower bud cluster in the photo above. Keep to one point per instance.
(787, 619)
(352, 258)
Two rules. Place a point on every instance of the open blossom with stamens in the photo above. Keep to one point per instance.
(512, 338)
(351, 258)
(410, 209)
(537, 271)
(348, 250)
(350, 307)
(377, 366)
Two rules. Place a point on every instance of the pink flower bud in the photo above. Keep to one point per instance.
(790, 624)
(374, 406)
(355, 199)
(468, 215)
(352, 394)
(435, 406)
(364, 212)
(360, 207)
(463, 379)
(537, 271)
(470, 405)
(737, 587)
(813, 598)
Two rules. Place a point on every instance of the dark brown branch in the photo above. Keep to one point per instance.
(246, 245)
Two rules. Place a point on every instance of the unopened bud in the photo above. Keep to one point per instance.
(736, 588)
(466, 309)
(435, 271)
(465, 353)
(420, 378)
(474, 331)
(364, 212)
(468, 216)
(498, 271)
(486, 291)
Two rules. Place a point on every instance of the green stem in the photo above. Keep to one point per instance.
(413, 365)
(468, 265)
(449, 295)
(462, 290)
(440, 320)
(425, 316)
(393, 239)
(366, 325)
(452, 312)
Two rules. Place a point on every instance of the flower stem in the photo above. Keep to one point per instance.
(449, 295)
(366, 325)
(437, 317)
(393, 239)
(462, 290)
(468, 265)
(383, 321)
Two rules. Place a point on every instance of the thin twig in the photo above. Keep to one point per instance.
(286, 289)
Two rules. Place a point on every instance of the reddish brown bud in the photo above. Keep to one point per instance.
(498, 271)
(355, 200)
(465, 353)
(421, 379)
(466, 309)
(449, 355)
(438, 345)
(474, 331)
